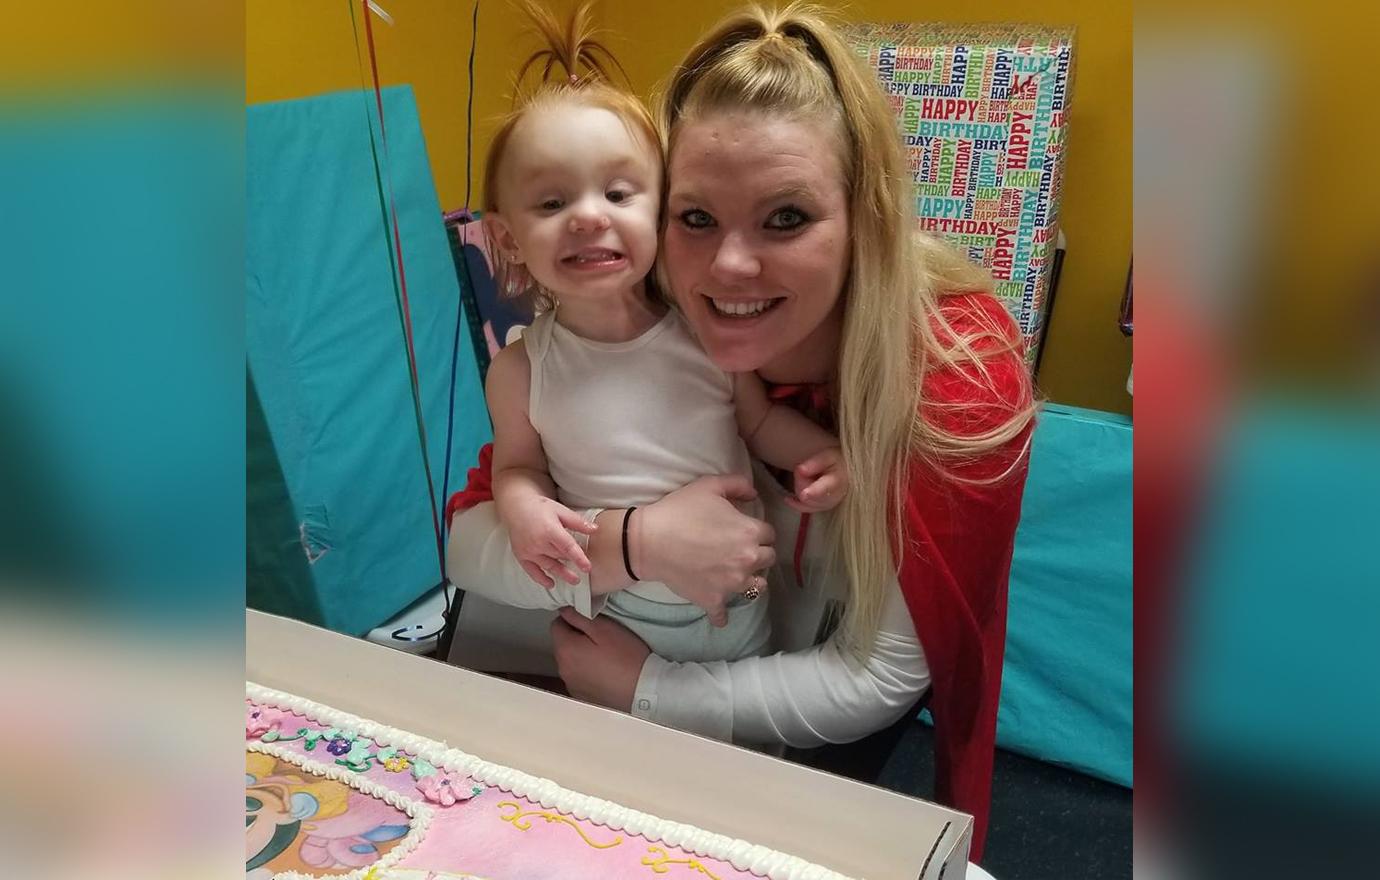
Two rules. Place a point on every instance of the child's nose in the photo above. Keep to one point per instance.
(588, 218)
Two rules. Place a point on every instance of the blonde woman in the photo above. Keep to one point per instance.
(788, 199)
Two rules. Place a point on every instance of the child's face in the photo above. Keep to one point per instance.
(579, 198)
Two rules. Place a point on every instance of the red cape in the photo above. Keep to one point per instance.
(957, 562)
(957, 559)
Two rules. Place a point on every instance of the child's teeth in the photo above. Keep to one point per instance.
(593, 257)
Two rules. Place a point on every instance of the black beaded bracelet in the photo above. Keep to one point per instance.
(627, 560)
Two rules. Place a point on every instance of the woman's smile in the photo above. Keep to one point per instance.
(739, 309)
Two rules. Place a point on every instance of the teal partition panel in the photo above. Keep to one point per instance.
(340, 525)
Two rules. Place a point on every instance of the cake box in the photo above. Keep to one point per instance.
(983, 112)
(368, 763)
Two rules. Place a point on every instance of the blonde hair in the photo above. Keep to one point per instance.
(791, 61)
(582, 66)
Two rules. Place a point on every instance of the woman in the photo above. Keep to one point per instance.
(787, 188)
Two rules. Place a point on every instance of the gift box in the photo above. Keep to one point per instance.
(983, 113)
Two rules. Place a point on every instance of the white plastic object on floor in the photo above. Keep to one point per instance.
(417, 628)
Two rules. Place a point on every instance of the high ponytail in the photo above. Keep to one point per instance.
(571, 45)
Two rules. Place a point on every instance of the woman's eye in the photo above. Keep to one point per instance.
(551, 205)
(787, 219)
(696, 219)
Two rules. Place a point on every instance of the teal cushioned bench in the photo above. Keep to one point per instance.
(1067, 682)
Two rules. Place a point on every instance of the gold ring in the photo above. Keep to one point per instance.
(752, 592)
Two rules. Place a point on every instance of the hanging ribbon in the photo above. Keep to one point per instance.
(812, 400)
(388, 209)
(464, 215)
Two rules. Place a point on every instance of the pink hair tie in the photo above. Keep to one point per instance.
(574, 79)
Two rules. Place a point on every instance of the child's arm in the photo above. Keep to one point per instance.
(785, 439)
(523, 491)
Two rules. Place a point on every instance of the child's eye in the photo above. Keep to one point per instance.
(551, 205)
(786, 219)
(617, 195)
(696, 219)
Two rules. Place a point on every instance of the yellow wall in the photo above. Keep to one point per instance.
(305, 47)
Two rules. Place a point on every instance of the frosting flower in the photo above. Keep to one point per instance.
(446, 788)
(360, 753)
(422, 769)
(258, 721)
(338, 746)
(396, 764)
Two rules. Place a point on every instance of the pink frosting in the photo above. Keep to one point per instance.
(446, 788)
(483, 839)
(259, 720)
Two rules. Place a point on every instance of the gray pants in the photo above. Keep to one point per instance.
(681, 632)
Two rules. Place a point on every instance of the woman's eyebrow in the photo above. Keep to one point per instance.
(685, 195)
(786, 193)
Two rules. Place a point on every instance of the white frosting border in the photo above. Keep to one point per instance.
(420, 815)
(759, 860)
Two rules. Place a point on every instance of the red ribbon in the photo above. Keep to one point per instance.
(400, 274)
(392, 205)
(813, 400)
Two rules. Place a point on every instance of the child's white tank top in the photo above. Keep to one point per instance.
(624, 424)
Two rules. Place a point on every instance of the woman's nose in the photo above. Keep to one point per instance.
(734, 260)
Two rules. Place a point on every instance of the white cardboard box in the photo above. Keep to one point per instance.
(852, 828)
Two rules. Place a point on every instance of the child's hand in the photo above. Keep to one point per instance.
(539, 530)
(821, 482)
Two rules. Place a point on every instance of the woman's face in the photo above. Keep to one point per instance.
(756, 247)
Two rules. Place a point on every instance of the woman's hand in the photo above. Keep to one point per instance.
(701, 546)
(599, 660)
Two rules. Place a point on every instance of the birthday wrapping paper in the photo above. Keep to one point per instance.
(983, 111)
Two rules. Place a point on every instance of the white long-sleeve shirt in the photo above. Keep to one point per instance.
(808, 694)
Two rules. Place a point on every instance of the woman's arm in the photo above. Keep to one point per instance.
(805, 698)
(479, 559)
(694, 540)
